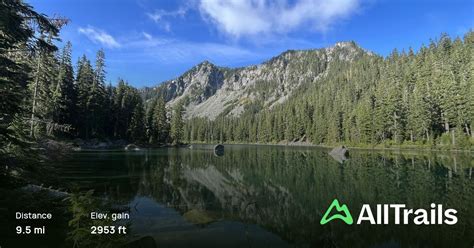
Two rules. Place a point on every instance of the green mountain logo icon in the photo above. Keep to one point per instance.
(346, 216)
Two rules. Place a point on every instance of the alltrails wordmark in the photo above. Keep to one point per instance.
(400, 213)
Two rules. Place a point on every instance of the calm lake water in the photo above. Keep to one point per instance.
(272, 196)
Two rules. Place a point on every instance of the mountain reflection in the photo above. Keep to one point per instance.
(276, 196)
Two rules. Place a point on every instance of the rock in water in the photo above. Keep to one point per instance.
(132, 147)
(219, 150)
(342, 150)
(340, 154)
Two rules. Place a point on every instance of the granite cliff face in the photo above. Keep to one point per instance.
(208, 90)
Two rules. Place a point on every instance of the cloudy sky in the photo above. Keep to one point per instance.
(148, 41)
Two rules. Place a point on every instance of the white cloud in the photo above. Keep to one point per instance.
(99, 36)
(147, 36)
(142, 41)
(253, 17)
(159, 14)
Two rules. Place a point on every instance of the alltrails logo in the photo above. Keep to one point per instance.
(347, 217)
(402, 215)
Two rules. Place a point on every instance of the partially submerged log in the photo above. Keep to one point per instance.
(340, 154)
(217, 149)
(55, 193)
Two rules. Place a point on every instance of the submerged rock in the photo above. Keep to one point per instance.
(198, 217)
(340, 154)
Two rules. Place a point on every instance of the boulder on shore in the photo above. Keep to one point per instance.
(340, 154)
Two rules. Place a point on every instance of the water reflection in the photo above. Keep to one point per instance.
(267, 196)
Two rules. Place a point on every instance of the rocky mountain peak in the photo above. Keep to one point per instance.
(206, 63)
(346, 44)
(195, 85)
(209, 91)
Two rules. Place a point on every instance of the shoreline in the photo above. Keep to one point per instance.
(96, 144)
(373, 148)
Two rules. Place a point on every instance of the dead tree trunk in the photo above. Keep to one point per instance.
(35, 94)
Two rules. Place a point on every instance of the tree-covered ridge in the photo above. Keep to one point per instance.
(425, 97)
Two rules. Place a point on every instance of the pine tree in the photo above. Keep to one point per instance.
(126, 99)
(65, 93)
(109, 110)
(84, 82)
(136, 128)
(42, 90)
(159, 124)
(18, 18)
(177, 125)
(149, 120)
(97, 96)
(120, 121)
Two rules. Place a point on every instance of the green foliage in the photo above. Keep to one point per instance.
(64, 93)
(177, 125)
(136, 129)
(85, 102)
(80, 206)
(23, 34)
(158, 126)
(406, 97)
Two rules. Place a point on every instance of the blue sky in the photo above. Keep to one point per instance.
(147, 42)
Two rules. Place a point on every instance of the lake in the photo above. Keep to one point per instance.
(275, 196)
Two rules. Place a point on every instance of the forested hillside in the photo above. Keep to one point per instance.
(423, 98)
